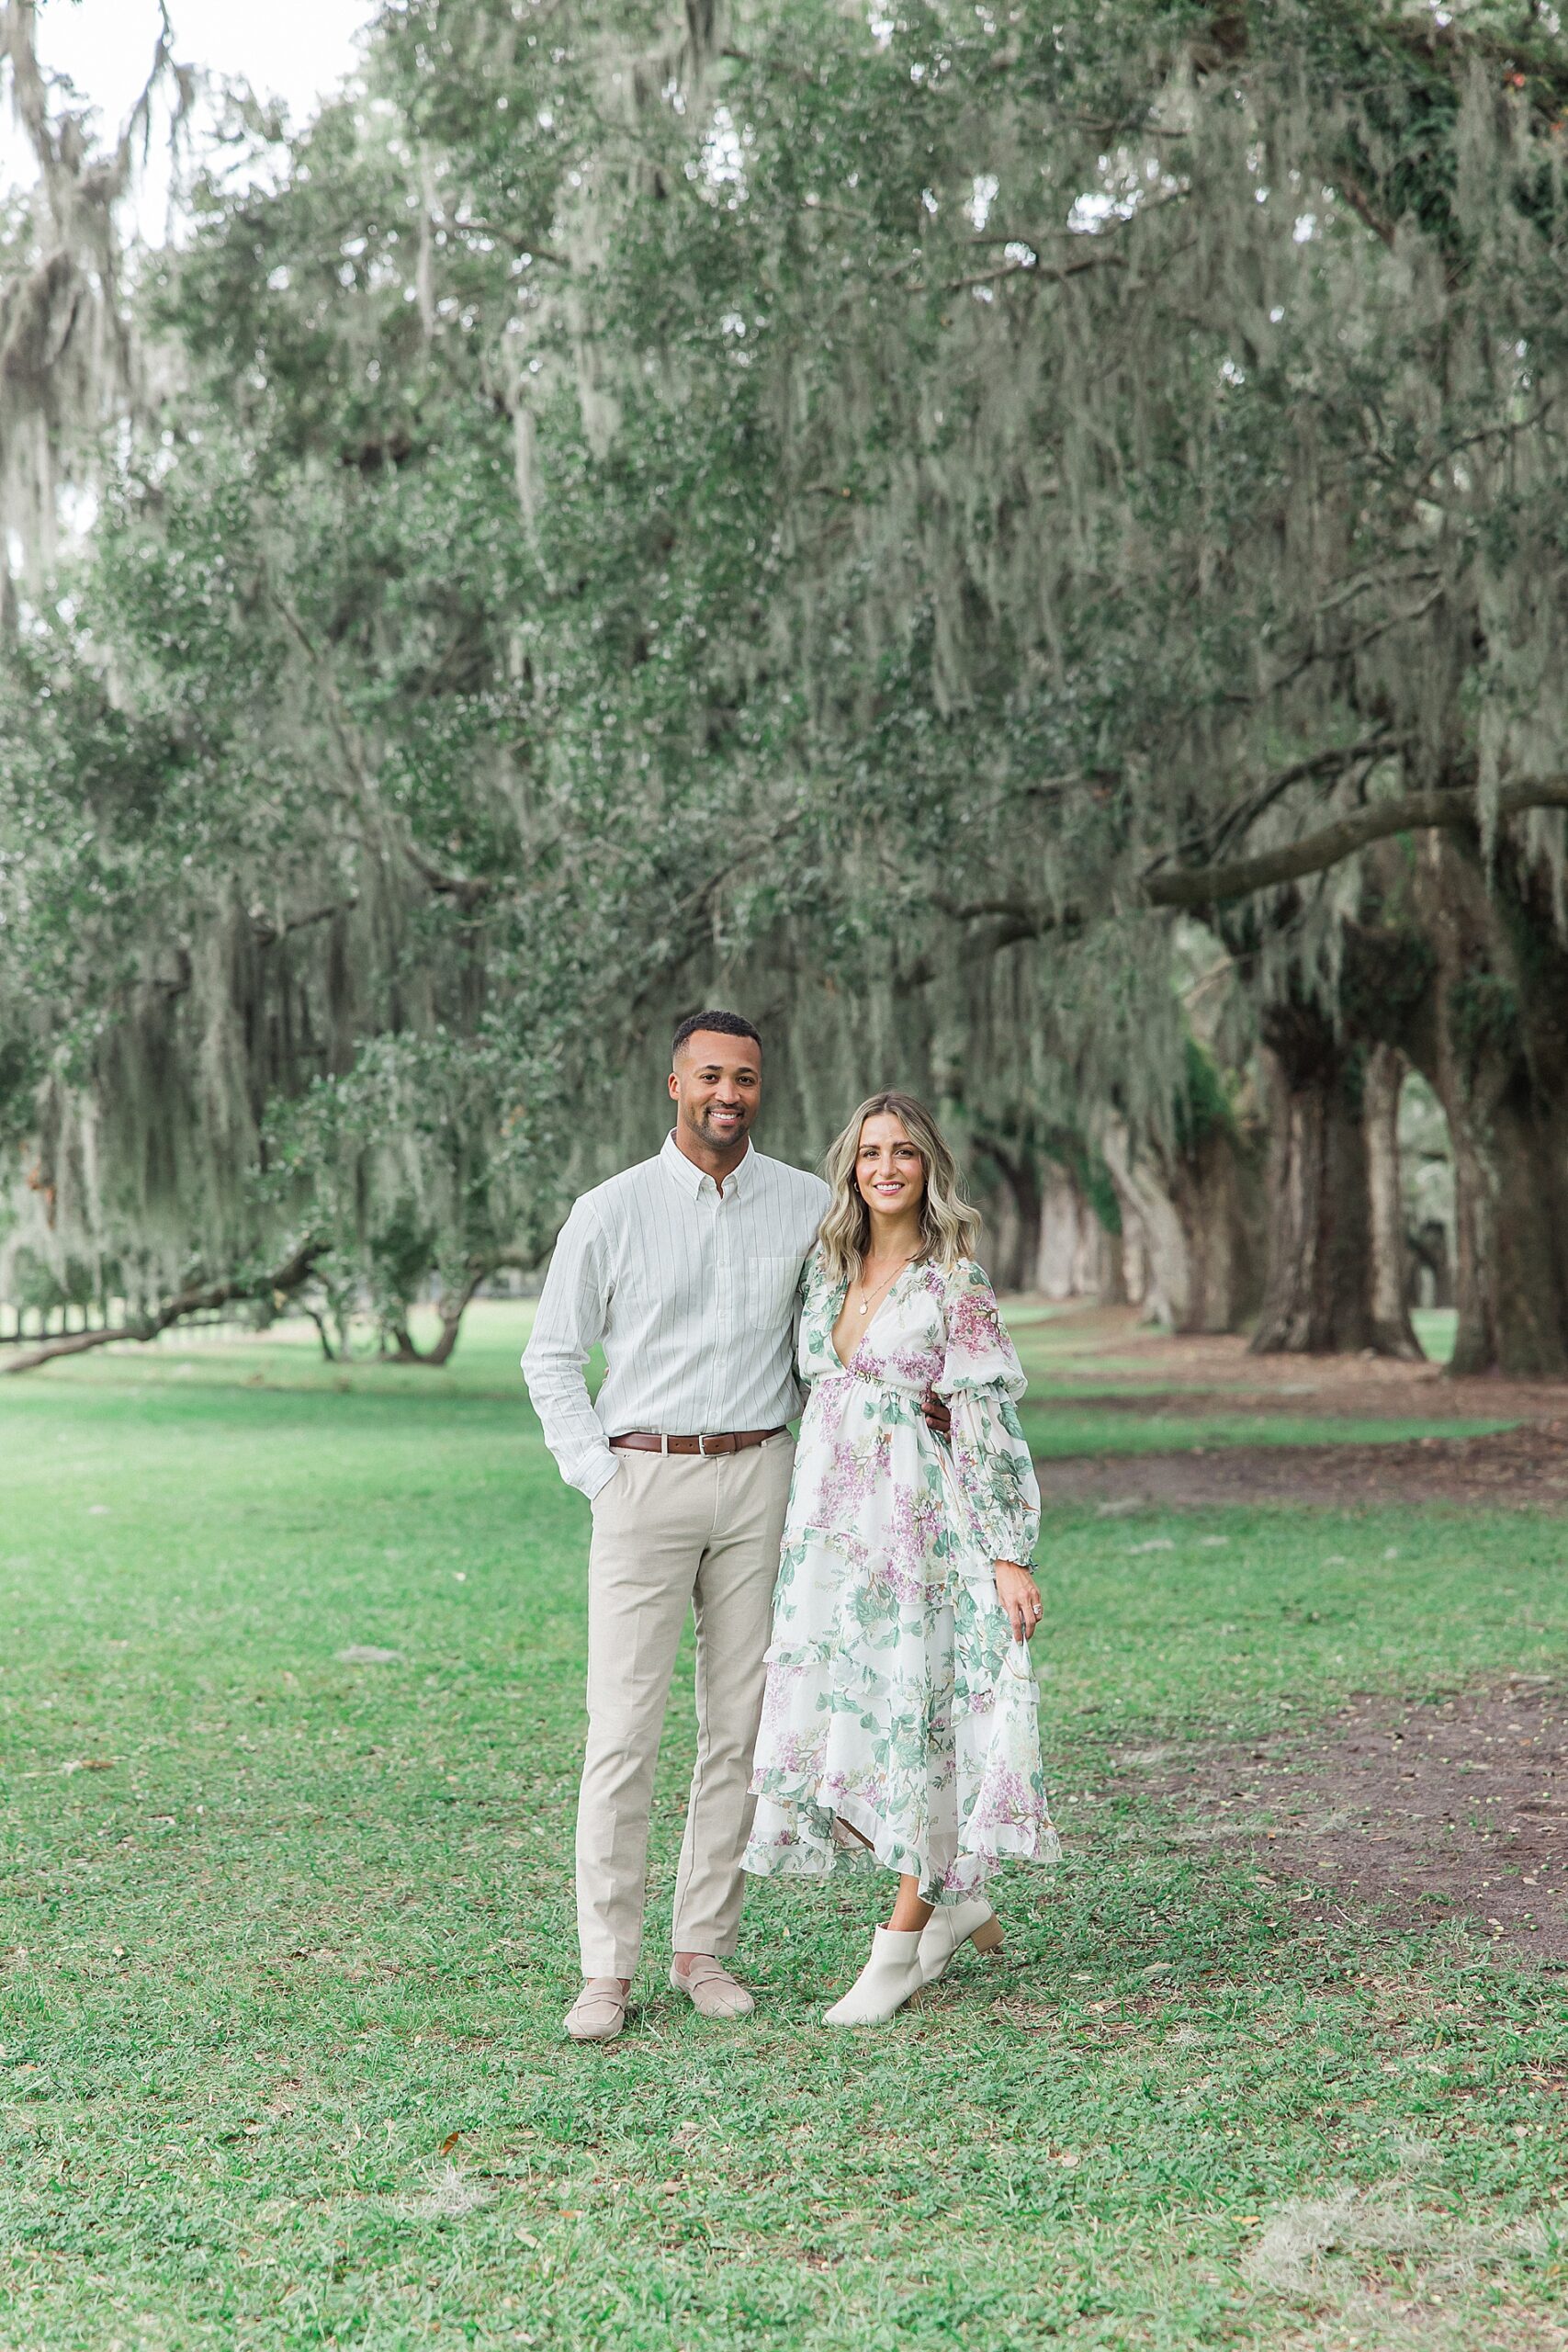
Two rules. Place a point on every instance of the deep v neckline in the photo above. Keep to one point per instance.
(841, 1294)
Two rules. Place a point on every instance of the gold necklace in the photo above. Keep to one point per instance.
(867, 1296)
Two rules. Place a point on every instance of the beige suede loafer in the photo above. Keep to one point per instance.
(599, 2011)
(712, 1990)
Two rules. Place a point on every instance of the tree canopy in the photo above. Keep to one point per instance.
(896, 515)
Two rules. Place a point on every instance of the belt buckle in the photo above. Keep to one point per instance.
(703, 1442)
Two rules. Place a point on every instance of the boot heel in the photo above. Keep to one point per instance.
(988, 1936)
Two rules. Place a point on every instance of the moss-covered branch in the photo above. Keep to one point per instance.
(200, 1298)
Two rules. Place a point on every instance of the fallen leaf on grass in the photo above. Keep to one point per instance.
(1155, 1544)
(90, 1764)
(449, 2143)
(366, 1654)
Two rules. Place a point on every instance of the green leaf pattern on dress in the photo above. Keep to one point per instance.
(900, 1720)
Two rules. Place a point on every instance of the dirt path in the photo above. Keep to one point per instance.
(1135, 1370)
(1109, 1347)
(1520, 1469)
(1454, 1810)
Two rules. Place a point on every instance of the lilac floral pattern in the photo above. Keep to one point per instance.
(900, 1720)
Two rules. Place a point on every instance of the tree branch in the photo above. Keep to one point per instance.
(470, 890)
(1343, 653)
(1316, 853)
(268, 933)
(200, 1298)
(1033, 269)
(1193, 889)
(1246, 811)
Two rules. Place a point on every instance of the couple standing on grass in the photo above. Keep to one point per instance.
(895, 1703)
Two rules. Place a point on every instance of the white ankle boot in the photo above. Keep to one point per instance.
(884, 1983)
(954, 1924)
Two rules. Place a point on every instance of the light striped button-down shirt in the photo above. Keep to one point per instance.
(692, 1292)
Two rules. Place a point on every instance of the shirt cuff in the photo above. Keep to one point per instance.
(595, 1474)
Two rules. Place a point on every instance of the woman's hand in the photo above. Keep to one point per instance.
(1019, 1596)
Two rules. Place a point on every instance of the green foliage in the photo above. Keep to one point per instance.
(1203, 1106)
(1485, 1012)
(21, 1069)
(818, 519)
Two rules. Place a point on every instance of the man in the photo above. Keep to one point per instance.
(685, 1268)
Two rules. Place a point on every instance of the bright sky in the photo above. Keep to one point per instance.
(294, 50)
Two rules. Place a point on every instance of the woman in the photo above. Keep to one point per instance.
(899, 1720)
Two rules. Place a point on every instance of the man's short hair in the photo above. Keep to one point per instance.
(727, 1024)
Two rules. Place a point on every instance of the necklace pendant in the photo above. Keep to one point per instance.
(864, 1302)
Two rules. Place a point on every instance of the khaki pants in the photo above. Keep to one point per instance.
(672, 1532)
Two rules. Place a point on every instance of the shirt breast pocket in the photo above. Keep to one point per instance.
(769, 1295)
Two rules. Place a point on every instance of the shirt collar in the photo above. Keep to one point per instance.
(690, 1178)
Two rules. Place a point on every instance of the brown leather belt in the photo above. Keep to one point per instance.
(726, 1441)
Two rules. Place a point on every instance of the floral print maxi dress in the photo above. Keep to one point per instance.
(898, 1705)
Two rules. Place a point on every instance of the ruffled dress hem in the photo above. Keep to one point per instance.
(799, 1842)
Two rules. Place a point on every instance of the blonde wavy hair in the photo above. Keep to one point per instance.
(948, 1227)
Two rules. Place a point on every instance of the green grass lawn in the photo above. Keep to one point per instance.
(1435, 1328)
(287, 1941)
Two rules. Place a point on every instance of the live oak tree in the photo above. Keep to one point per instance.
(897, 518)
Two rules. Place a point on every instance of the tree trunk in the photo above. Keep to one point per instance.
(1214, 1189)
(1194, 1216)
(1317, 1290)
(1102, 1265)
(1132, 1260)
(1511, 1284)
(1076, 1258)
(1429, 1253)
(1495, 1052)
(319, 1320)
(1394, 1334)
(1015, 1243)
(1149, 1218)
(1057, 1264)
(451, 1307)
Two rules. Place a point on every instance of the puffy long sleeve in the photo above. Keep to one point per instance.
(981, 1382)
